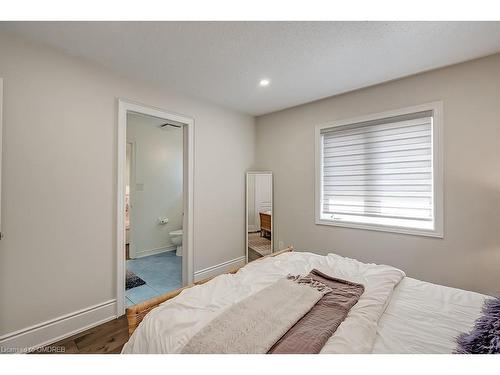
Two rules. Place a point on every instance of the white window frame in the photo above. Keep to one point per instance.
(437, 173)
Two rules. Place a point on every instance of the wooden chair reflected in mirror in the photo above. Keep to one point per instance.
(265, 224)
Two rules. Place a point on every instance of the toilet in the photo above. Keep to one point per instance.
(176, 238)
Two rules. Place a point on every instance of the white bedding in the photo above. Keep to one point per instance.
(385, 320)
(169, 327)
(426, 318)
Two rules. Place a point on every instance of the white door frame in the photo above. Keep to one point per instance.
(131, 249)
(1, 132)
(125, 106)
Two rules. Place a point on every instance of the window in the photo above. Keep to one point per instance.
(382, 172)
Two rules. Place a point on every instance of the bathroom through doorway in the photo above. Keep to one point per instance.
(155, 172)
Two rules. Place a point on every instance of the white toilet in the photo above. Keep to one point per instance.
(176, 238)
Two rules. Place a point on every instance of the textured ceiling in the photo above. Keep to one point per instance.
(222, 62)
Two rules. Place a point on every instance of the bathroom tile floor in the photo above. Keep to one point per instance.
(161, 272)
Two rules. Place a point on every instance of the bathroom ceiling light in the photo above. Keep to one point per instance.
(264, 82)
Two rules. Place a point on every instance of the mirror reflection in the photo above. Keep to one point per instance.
(259, 215)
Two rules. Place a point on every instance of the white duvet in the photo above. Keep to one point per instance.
(395, 314)
(169, 327)
(426, 318)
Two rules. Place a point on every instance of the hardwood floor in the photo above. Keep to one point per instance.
(108, 338)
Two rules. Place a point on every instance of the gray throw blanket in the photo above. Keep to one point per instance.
(485, 336)
(256, 323)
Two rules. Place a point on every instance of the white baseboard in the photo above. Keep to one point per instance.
(146, 253)
(51, 331)
(219, 268)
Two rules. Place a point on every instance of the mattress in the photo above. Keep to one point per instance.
(396, 314)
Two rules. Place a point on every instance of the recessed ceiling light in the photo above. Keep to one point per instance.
(264, 82)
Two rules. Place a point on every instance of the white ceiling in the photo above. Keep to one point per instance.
(222, 62)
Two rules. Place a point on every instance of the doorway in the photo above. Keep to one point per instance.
(155, 179)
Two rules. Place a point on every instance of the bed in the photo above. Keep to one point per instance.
(395, 314)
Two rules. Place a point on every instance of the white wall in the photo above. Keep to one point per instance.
(157, 162)
(59, 180)
(469, 255)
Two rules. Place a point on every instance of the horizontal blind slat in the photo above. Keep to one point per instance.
(420, 212)
(376, 150)
(381, 200)
(340, 203)
(380, 178)
(367, 129)
(415, 194)
(332, 137)
(329, 171)
(379, 145)
(344, 162)
(334, 142)
(374, 167)
(331, 189)
(374, 157)
(379, 215)
(385, 199)
(374, 184)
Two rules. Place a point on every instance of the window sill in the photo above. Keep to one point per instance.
(382, 228)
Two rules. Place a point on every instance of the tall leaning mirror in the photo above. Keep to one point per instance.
(259, 215)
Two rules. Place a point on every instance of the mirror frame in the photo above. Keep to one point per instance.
(246, 209)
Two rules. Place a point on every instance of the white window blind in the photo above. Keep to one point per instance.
(379, 172)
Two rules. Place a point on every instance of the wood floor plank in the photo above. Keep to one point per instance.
(107, 338)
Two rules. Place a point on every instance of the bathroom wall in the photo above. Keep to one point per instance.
(157, 191)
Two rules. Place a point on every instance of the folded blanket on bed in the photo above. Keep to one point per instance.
(254, 324)
(312, 331)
